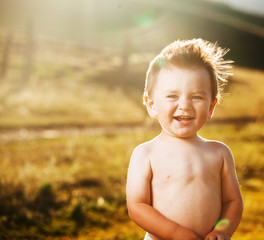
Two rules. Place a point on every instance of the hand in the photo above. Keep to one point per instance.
(183, 233)
(217, 235)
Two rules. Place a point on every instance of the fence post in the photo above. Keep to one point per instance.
(29, 52)
(6, 55)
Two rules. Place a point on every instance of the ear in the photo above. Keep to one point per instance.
(151, 108)
(212, 108)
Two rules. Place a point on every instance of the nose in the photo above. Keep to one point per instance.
(184, 103)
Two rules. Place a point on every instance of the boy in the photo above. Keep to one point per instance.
(179, 185)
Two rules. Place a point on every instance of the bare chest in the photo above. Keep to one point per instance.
(184, 166)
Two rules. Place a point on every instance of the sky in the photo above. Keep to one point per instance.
(251, 6)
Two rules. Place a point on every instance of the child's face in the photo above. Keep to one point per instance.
(181, 100)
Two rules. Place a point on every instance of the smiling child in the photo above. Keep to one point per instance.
(180, 185)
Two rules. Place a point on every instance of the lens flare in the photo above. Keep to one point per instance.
(160, 62)
(222, 224)
(145, 19)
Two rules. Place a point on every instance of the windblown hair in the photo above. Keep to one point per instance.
(189, 54)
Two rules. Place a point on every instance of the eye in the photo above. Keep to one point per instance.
(197, 97)
(172, 96)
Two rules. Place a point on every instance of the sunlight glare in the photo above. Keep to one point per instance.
(222, 224)
(144, 19)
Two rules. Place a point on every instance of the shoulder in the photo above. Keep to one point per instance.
(142, 155)
(219, 148)
(142, 151)
(223, 151)
(139, 165)
(217, 145)
(146, 148)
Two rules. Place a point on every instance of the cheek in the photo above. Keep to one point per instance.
(165, 110)
(203, 110)
(166, 107)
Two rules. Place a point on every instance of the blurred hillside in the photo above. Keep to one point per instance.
(134, 26)
(82, 63)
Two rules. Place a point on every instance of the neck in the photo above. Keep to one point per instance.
(191, 139)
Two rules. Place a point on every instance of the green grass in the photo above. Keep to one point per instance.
(63, 186)
(76, 186)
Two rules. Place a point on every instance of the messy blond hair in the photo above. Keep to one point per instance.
(188, 54)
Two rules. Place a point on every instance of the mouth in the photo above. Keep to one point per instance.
(183, 119)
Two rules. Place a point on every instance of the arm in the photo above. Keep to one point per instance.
(139, 201)
(232, 205)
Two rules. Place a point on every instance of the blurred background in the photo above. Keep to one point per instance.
(71, 82)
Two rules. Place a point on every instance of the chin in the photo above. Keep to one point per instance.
(181, 135)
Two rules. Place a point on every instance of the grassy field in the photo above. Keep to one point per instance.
(63, 101)
(107, 96)
(73, 187)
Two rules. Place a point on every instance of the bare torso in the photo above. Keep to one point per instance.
(186, 183)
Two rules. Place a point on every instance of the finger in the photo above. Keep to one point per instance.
(212, 237)
(223, 237)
